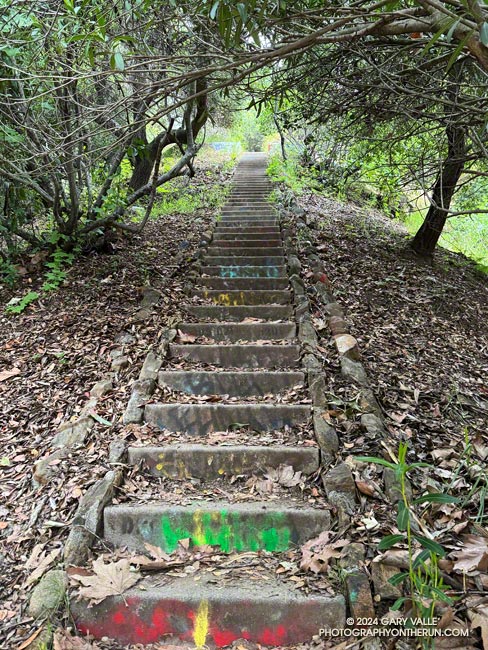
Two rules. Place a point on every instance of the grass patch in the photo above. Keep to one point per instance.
(183, 197)
(467, 235)
(188, 200)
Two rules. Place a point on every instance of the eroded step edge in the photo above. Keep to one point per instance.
(273, 526)
(180, 461)
(211, 615)
(235, 297)
(239, 356)
(241, 331)
(236, 271)
(247, 284)
(234, 384)
(217, 313)
(201, 419)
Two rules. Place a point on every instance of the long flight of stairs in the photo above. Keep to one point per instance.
(245, 320)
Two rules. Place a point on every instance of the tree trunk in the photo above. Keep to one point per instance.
(144, 162)
(281, 134)
(426, 239)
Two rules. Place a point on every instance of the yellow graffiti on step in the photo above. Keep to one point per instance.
(226, 300)
(181, 469)
(198, 532)
(200, 629)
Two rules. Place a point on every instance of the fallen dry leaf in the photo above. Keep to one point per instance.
(186, 338)
(284, 475)
(317, 552)
(473, 556)
(158, 560)
(478, 615)
(42, 566)
(365, 488)
(6, 374)
(481, 447)
(64, 641)
(261, 485)
(110, 579)
(455, 641)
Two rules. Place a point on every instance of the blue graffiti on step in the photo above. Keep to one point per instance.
(249, 272)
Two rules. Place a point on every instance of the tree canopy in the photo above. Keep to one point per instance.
(91, 88)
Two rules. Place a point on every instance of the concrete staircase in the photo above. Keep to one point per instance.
(244, 277)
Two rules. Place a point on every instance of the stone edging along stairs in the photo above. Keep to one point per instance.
(245, 277)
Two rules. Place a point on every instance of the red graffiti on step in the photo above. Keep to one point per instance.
(137, 622)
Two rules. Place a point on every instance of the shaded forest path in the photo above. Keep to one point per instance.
(242, 323)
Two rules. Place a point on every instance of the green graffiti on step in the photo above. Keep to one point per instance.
(228, 531)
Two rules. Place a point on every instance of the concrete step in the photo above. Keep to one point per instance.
(218, 313)
(248, 223)
(247, 243)
(234, 384)
(243, 283)
(239, 211)
(235, 271)
(258, 193)
(247, 204)
(238, 231)
(248, 216)
(210, 613)
(262, 198)
(272, 526)
(243, 199)
(218, 251)
(243, 297)
(201, 419)
(247, 236)
(261, 201)
(255, 260)
(240, 356)
(250, 204)
(238, 226)
(209, 462)
(251, 229)
(241, 331)
(249, 213)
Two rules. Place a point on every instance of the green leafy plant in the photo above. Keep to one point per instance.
(8, 273)
(292, 174)
(57, 273)
(17, 305)
(189, 201)
(423, 576)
